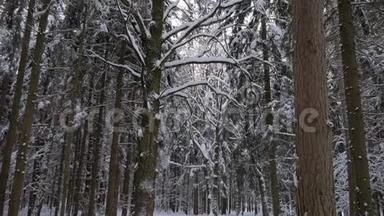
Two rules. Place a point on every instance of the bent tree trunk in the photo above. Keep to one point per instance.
(144, 194)
(360, 198)
(18, 179)
(314, 151)
(12, 132)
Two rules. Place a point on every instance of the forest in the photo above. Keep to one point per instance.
(192, 107)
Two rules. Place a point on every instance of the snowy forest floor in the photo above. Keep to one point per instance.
(182, 214)
(49, 212)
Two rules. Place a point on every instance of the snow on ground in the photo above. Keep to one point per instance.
(159, 213)
(50, 212)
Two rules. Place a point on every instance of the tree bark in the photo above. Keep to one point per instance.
(6, 80)
(114, 166)
(129, 161)
(82, 157)
(18, 179)
(195, 193)
(145, 175)
(360, 197)
(96, 150)
(263, 190)
(269, 123)
(38, 162)
(13, 118)
(313, 147)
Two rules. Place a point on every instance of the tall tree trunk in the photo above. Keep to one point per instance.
(114, 166)
(13, 118)
(57, 193)
(269, 123)
(73, 171)
(262, 188)
(6, 80)
(66, 165)
(35, 180)
(314, 166)
(96, 149)
(145, 175)
(215, 173)
(129, 161)
(68, 183)
(82, 157)
(127, 183)
(360, 197)
(38, 162)
(18, 179)
(195, 193)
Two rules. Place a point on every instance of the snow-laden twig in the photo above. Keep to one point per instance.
(131, 70)
(43, 11)
(202, 149)
(199, 60)
(171, 91)
(174, 90)
(169, 9)
(209, 60)
(131, 38)
(140, 21)
(190, 26)
(177, 45)
(203, 21)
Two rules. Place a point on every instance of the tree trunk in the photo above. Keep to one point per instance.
(6, 80)
(263, 190)
(13, 118)
(195, 193)
(35, 180)
(96, 150)
(144, 182)
(314, 166)
(126, 185)
(215, 172)
(38, 163)
(18, 180)
(73, 130)
(269, 123)
(128, 172)
(73, 171)
(82, 157)
(59, 172)
(114, 166)
(360, 197)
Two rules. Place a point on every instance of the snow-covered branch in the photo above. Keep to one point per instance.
(203, 21)
(198, 60)
(126, 67)
(130, 38)
(172, 91)
(208, 60)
